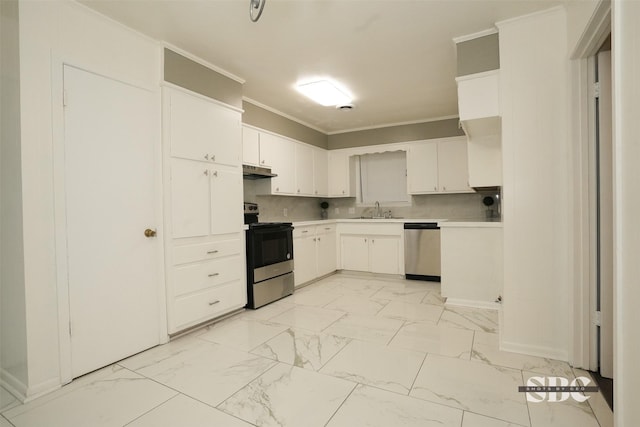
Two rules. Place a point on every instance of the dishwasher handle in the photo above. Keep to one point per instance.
(421, 226)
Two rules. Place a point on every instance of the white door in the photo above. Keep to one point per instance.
(111, 138)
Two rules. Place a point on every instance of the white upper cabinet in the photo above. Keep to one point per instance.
(341, 174)
(190, 198)
(422, 168)
(478, 95)
(250, 146)
(280, 154)
(438, 167)
(203, 130)
(320, 172)
(453, 172)
(304, 169)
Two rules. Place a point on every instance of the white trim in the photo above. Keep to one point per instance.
(477, 35)
(517, 19)
(285, 115)
(458, 302)
(200, 96)
(532, 350)
(388, 125)
(595, 33)
(201, 61)
(478, 75)
(13, 385)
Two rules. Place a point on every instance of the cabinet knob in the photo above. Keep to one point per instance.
(212, 252)
(444, 188)
(318, 239)
(206, 172)
(215, 173)
(213, 157)
(262, 162)
(298, 190)
(206, 157)
(277, 188)
(314, 239)
(342, 191)
(435, 188)
(214, 274)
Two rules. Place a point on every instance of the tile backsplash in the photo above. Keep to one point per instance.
(431, 206)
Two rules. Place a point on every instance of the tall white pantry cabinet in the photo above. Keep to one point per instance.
(204, 246)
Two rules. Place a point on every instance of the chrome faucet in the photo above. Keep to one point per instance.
(377, 213)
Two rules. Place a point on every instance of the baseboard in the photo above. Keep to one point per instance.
(487, 305)
(534, 350)
(13, 385)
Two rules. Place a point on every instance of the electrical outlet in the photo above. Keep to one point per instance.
(352, 210)
(285, 212)
(337, 211)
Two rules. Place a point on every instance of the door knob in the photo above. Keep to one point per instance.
(150, 233)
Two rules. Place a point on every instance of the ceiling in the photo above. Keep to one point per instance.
(397, 57)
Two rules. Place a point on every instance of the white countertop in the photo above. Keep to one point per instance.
(472, 222)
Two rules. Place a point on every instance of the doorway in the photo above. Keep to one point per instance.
(111, 190)
(604, 168)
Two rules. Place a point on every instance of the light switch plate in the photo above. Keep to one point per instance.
(337, 210)
(285, 212)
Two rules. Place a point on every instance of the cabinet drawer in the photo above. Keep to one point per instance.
(304, 231)
(194, 277)
(196, 308)
(325, 229)
(204, 251)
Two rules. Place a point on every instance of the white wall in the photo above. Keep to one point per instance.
(13, 347)
(626, 137)
(537, 173)
(51, 32)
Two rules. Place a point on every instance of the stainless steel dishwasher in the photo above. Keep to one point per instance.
(422, 251)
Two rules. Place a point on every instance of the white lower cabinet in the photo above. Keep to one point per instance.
(372, 253)
(472, 271)
(355, 252)
(384, 254)
(206, 280)
(314, 249)
(326, 249)
(375, 248)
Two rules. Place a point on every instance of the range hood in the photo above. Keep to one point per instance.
(256, 172)
(487, 190)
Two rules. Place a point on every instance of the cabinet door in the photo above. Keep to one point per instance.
(340, 174)
(191, 129)
(453, 170)
(320, 172)
(268, 149)
(280, 153)
(189, 198)
(226, 200)
(384, 254)
(304, 169)
(422, 168)
(226, 144)
(355, 252)
(304, 249)
(250, 146)
(326, 252)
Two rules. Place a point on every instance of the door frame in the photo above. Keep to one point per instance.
(584, 346)
(60, 212)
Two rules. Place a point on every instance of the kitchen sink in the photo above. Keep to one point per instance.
(376, 217)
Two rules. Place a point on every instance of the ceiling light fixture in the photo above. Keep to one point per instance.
(255, 9)
(325, 93)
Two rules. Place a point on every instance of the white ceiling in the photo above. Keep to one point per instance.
(396, 56)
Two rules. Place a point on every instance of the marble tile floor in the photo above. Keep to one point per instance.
(348, 350)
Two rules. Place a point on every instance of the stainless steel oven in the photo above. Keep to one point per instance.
(269, 259)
